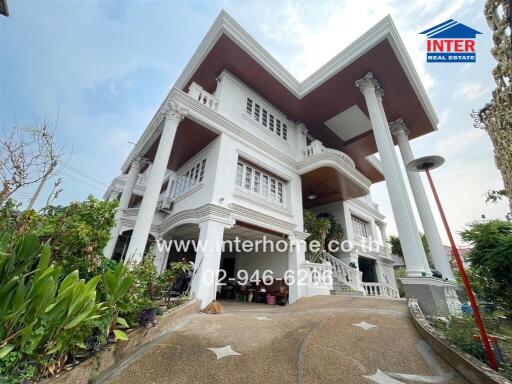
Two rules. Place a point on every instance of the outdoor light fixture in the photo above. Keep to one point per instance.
(426, 164)
(312, 196)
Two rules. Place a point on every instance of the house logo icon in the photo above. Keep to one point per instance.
(451, 42)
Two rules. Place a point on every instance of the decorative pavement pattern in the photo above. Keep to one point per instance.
(224, 351)
(323, 339)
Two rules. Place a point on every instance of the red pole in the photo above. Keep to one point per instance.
(490, 354)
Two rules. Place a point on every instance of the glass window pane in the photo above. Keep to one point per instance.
(239, 173)
(256, 187)
(248, 178)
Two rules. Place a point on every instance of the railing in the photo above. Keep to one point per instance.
(198, 93)
(344, 273)
(316, 148)
(319, 275)
(380, 290)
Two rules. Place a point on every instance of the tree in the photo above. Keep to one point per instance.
(322, 228)
(396, 247)
(496, 116)
(28, 155)
(491, 259)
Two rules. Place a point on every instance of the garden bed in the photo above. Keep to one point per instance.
(466, 365)
(99, 365)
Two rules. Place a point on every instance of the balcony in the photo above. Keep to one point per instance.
(199, 94)
(330, 175)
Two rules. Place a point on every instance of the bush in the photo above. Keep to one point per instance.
(77, 233)
(47, 318)
(491, 261)
(142, 292)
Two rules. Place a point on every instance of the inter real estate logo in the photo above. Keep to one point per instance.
(451, 42)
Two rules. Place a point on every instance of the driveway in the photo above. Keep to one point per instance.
(323, 339)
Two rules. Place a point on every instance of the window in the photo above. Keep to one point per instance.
(266, 119)
(189, 178)
(360, 227)
(256, 182)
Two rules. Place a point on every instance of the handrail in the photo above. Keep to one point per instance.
(380, 290)
(316, 147)
(343, 272)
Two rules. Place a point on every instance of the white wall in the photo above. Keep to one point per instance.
(277, 262)
(232, 94)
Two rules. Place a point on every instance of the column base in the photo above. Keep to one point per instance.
(410, 273)
(435, 297)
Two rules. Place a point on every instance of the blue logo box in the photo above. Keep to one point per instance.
(452, 57)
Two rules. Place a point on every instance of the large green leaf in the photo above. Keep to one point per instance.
(5, 350)
(120, 335)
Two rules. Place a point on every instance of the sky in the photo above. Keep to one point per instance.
(98, 70)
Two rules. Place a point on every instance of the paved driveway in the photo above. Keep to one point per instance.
(325, 339)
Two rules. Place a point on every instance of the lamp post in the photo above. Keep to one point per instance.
(426, 164)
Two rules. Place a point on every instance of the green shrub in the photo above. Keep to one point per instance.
(48, 318)
(168, 278)
(141, 293)
(77, 233)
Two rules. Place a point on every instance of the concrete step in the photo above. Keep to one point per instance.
(346, 293)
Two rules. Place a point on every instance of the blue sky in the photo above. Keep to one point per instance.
(99, 69)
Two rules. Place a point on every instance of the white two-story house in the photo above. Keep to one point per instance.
(239, 148)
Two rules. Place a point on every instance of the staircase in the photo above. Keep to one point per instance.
(348, 281)
(345, 279)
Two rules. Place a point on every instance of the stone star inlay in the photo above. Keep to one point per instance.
(224, 351)
(364, 325)
(381, 378)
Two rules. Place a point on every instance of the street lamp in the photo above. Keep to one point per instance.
(426, 164)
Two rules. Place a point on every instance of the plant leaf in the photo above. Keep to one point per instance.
(4, 351)
(120, 335)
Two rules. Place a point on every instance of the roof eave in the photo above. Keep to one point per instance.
(225, 24)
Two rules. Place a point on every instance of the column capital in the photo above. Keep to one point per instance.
(368, 83)
(398, 127)
(174, 112)
(138, 161)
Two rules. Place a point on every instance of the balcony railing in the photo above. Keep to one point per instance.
(317, 148)
(198, 93)
(318, 275)
(380, 290)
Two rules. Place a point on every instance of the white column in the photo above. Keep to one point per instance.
(161, 256)
(114, 195)
(207, 264)
(296, 256)
(435, 244)
(172, 117)
(414, 254)
(384, 236)
(124, 200)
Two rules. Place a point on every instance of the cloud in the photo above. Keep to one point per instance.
(472, 91)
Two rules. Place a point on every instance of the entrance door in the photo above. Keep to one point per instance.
(229, 266)
(367, 267)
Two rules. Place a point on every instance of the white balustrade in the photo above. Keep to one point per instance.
(344, 273)
(199, 94)
(380, 290)
(318, 275)
(317, 148)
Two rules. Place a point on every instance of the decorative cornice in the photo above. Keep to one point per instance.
(224, 24)
(398, 127)
(251, 216)
(198, 215)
